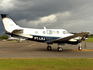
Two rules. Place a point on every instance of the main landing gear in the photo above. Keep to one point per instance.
(49, 48)
(60, 49)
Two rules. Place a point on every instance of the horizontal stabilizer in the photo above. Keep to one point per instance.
(17, 31)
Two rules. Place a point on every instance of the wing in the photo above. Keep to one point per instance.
(68, 38)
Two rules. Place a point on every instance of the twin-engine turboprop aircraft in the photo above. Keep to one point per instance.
(49, 36)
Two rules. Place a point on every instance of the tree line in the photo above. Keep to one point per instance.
(4, 36)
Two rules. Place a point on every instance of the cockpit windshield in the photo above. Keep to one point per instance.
(65, 32)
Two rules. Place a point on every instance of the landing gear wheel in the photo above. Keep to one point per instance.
(79, 48)
(49, 48)
(60, 49)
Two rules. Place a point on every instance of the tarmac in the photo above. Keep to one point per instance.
(39, 50)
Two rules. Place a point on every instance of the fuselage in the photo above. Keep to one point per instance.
(43, 35)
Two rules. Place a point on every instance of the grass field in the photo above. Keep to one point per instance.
(89, 40)
(47, 64)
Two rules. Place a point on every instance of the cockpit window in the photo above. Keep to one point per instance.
(65, 32)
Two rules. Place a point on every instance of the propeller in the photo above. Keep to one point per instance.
(83, 39)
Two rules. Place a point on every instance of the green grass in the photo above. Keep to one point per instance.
(89, 40)
(47, 64)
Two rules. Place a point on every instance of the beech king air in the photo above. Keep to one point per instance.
(49, 36)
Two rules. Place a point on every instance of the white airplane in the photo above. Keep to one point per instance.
(49, 36)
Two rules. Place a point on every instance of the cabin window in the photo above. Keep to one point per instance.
(53, 32)
(57, 32)
(49, 31)
(43, 32)
(36, 32)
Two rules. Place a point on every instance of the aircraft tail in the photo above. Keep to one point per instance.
(9, 23)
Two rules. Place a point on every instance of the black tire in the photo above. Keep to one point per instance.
(49, 48)
(60, 49)
(79, 48)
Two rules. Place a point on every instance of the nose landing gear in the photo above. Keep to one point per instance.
(80, 48)
(60, 49)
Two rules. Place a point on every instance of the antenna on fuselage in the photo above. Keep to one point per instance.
(44, 27)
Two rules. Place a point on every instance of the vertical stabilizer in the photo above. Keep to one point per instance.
(9, 23)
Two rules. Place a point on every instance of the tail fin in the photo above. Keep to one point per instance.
(9, 23)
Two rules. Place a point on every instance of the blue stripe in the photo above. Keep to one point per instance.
(47, 38)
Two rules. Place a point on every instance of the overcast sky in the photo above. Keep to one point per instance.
(72, 15)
